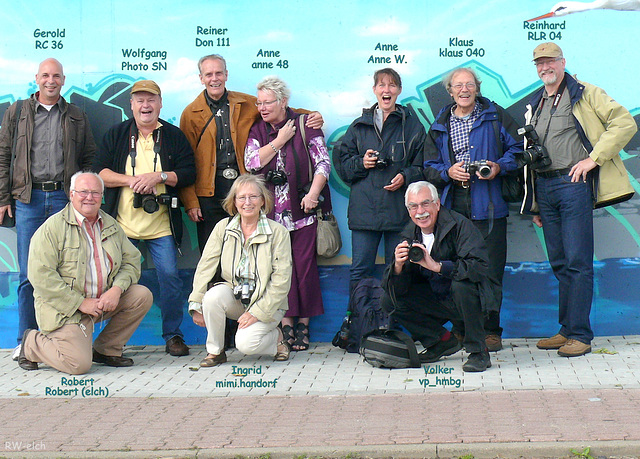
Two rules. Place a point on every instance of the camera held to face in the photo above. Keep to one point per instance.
(150, 203)
(536, 156)
(479, 166)
(277, 177)
(415, 252)
(381, 164)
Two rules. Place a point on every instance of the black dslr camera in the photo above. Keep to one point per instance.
(479, 166)
(150, 203)
(276, 177)
(536, 155)
(415, 252)
(381, 164)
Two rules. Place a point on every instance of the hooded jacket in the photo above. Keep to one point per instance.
(401, 144)
(458, 245)
(483, 144)
(605, 127)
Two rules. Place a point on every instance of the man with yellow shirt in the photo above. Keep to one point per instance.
(143, 162)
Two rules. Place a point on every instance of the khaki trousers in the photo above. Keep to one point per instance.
(68, 349)
(218, 304)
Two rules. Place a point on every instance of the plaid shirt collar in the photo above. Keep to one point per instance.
(263, 225)
(459, 132)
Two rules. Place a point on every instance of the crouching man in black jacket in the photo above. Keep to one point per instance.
(437, 277)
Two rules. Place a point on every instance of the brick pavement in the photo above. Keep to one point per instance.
(327, 402)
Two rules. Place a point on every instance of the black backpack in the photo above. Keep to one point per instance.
(366, 312)
(389, 349)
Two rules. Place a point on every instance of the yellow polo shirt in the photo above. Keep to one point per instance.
(137, 223)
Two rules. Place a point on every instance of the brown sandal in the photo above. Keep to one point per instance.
(283, 350)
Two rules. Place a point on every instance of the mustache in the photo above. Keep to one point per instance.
(423, 215)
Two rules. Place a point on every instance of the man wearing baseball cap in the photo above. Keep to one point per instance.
(581, 130)
(143, 162)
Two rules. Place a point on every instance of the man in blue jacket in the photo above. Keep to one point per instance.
(469, 149)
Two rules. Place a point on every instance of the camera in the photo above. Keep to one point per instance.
(479, 166)
(415, 252)
(150, 203)
(276, 177)
(381, 164)
(536, 155)
(243, 291)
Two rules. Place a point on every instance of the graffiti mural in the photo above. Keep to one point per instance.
(328, 63)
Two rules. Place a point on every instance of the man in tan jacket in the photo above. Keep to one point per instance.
(84, 270)
(217, 125)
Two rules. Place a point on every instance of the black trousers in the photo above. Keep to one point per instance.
(495, 237)
(424, 314)
(212, 211)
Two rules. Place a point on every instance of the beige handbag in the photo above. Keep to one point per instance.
(328, 241)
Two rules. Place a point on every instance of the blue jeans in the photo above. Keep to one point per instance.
(364, 248)
(567, 222)
(29, 217)
(163, 254)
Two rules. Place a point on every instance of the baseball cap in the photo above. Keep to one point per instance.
(547, 50)
(146, 86)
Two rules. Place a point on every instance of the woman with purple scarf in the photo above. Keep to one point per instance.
(295, 162)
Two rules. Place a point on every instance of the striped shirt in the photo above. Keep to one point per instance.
(99, 264)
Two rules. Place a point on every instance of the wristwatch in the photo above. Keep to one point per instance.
(163, 177)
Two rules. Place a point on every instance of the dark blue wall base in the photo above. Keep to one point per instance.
(529, 305)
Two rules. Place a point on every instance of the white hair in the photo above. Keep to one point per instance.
(417, 187)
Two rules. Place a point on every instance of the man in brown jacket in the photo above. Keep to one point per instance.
(217, 125)
(53, 140)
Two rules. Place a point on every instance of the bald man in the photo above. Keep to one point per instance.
(53, 141)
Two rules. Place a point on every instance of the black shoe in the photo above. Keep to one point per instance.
(112, 360)
(176, 347)
(440, 349)
(478, 361)
(22, 360)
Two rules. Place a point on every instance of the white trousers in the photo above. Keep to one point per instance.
(218, 304)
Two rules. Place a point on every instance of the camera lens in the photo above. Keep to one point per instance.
(381, 164)
(485, 171)
(415, 253)
(149, 204)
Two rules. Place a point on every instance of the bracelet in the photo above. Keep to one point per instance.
(274, 148)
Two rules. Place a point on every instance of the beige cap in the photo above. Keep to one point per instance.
(146, 86)
(547, 50)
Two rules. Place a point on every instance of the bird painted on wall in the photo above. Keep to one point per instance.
(564, 8)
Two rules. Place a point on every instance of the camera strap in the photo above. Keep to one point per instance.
(133, 140)
(554, 107)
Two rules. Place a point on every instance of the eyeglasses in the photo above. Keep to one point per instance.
(459, 86)
(540, 63)
(412, 206)
(251, 197)
(266, 103)
(85, 193)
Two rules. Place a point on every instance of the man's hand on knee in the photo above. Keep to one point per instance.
(109, 300)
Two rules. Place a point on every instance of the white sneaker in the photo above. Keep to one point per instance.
(16, 352)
